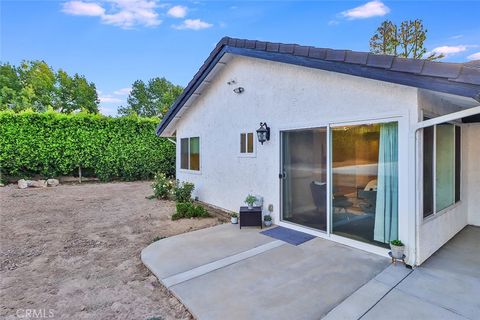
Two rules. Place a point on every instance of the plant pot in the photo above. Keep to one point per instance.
(397, 251)
(250, 206)
(268, 223)
(234, 220)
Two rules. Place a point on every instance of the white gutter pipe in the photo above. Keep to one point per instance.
(446, 118)
(413, 133)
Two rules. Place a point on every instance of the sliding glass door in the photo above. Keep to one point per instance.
(363, 184)
(304, 177)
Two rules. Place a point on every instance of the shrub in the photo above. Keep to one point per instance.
(162, 186)
(183, 191)
(267, 218)
(53, 144)
(189, 210)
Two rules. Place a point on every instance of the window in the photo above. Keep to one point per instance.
(246, 143)
(441, 167)
(190, 153)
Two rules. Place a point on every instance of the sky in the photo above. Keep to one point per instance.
(115, 42)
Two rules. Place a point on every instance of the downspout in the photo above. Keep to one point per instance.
(413, 134)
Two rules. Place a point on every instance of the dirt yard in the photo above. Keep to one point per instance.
(73, 252)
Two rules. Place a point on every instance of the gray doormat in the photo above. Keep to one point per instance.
(288, 235)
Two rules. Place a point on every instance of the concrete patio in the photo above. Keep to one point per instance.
(227, 273)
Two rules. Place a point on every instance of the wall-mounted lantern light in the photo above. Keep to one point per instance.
(238, 90)
(263, 133)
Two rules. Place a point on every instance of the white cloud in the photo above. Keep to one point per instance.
(370, 9)
(123, 13)
(458, 36)
(474, 56)
(452, 50)
(123, 91)
(333, 22)
(193, 24)
(109, 99)
(80, 8)
(177, 12)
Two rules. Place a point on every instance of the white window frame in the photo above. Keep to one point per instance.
(247, 154)
(434, 169)
(188, 153)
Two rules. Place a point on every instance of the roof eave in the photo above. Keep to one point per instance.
(408, 79)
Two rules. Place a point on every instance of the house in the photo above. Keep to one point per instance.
(362, 148)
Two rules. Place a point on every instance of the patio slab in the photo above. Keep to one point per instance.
(226, 273)
(400, 306)
(446, 286)
(184, 252)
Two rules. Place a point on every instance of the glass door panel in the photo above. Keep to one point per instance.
(365, 182)
(304, 177)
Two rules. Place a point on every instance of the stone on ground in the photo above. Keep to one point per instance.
(52, 182)
(22, 183)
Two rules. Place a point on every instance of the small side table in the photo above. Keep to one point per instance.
(250, 217)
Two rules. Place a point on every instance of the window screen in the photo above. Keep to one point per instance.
(184, 153)
(195, 153)
(428, 136)
(246, 142)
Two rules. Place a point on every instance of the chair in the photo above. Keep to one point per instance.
(319, 194)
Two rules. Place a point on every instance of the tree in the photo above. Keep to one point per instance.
(35, 85)
(406, 41)
(152, 99)
(385, 40)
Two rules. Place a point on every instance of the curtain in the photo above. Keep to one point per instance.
(386, 212)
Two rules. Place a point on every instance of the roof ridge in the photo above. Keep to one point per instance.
(226, 40)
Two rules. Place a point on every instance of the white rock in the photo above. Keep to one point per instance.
(22, 184)
(53, 182)
(38, 184)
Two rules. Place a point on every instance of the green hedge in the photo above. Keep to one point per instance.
(53, 144)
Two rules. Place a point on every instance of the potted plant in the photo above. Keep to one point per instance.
(398, 249)
(268, 220)
(234, 218)
(250, 200)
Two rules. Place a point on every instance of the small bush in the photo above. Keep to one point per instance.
(189, 210)
(162, 186)
(183, 191)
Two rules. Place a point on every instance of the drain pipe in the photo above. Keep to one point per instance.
(427, 123)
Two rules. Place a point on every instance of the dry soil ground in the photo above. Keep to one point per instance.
(74, 251)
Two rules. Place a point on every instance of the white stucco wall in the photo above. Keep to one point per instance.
(434, 231)
(285, 96)
(471, 133)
